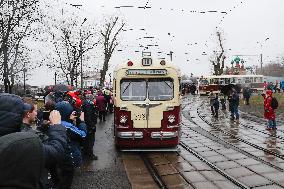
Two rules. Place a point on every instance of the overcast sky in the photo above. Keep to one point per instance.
(188, 28)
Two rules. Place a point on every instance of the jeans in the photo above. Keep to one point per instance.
(234, 112)
(272, 123)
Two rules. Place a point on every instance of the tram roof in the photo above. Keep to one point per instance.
(156, 64)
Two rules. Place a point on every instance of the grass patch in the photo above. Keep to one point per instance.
(256, 106)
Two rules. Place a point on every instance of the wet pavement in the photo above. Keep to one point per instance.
(106, 172)
(214, 153)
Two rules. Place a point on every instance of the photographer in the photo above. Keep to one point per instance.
(75, 133)
(29, 172)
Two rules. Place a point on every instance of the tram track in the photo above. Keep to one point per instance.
(153, 171)
(225, 143)
(214, 167)
(238, 138)
(230, 146)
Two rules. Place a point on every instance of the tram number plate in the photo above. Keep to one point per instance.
(139, 117)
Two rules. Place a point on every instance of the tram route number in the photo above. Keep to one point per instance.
(139, 117)
(146, 72)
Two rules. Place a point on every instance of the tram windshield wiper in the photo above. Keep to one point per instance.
(126, 87)
(168, 85)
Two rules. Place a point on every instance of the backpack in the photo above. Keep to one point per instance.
(274, 103)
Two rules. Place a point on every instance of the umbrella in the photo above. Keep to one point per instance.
(62, 88)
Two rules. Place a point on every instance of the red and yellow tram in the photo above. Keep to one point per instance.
(147, 104)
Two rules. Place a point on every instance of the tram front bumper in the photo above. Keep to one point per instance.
(164, 135)
(130, 134)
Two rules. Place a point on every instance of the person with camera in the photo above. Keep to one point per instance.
(76, 133)
(26, 149)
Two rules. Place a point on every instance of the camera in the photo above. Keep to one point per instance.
(45, 115)
(77, 113)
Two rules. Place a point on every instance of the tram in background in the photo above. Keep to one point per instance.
(215, 83)
(147, 104)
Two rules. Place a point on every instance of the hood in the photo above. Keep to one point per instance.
(11, 113)
(22, 160)
(65, 109)
(269, 92)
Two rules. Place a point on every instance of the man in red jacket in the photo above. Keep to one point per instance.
(101, 105)
(269, 113)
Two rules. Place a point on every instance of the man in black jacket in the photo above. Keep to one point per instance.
(90, 111)
(11, 115)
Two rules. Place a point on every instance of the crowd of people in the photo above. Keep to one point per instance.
(42, 147)
(270, 104)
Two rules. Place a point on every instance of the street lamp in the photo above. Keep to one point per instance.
(261, 44)
(81, 52)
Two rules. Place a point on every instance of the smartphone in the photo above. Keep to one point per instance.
(45, 115)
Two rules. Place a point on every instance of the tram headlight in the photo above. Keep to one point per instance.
(171, 118)
(123, 119)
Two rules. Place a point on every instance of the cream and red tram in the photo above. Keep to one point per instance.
(147, 104)
(215, 83)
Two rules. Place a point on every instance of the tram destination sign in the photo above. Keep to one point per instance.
(146, 72)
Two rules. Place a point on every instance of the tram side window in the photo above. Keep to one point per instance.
(133, 90)
(160, 89)
(203, 82)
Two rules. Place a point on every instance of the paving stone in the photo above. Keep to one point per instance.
(227, 165)
(273, 186)
(254, 180)
(261, 168)
(235, 156)
(183, 166)
(175, 181)
(212, 175)
(247, 161)
(218, 158)
(208, 153)
(174, 158)
(226, 185)
(191, 158)
(275, 176)
(239, 172)
(226, 151)
(201, 149)
(159, 160)
(166, 169)
(203, 185)
(201, 166)
(144, 181)
(194, 176)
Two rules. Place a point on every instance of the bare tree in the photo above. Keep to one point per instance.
(219, 57)
(110, 42)
(273, 69)
(70, 38)
(16, 18)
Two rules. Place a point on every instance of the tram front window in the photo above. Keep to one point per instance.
(160, 89)
(133, 90)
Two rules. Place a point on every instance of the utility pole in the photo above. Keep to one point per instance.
(171, 55)
(24, 77)
(261, 63)
(55, 74)
(81, 52)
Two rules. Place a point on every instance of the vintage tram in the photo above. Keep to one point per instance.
(147, 105)
(215, 83)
